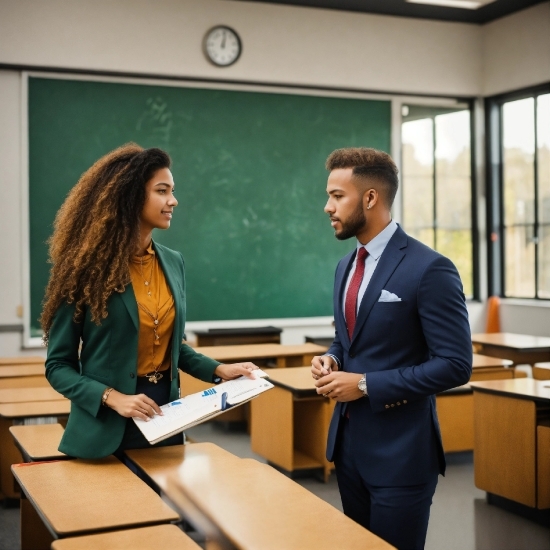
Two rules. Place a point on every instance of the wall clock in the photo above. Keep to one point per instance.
(222, 46)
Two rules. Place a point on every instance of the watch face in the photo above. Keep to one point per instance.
(222, 46)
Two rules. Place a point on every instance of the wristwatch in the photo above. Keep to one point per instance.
(362, 384)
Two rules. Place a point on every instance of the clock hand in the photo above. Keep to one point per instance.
(223, 41)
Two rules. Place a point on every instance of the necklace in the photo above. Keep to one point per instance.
(146, 282)
(155, 376)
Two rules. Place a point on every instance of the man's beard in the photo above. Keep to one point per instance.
(352, 226)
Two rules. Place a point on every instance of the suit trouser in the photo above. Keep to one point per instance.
(399, 515)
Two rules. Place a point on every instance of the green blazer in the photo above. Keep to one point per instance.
(108, 358)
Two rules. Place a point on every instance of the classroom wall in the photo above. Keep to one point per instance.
(516, 50)
(282, 44)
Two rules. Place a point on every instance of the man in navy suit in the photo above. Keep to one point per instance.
(402, 335)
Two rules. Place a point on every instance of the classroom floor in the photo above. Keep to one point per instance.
(460, 517)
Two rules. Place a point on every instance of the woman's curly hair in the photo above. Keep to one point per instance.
(96, 231)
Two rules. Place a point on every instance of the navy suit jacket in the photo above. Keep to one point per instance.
(410, 350)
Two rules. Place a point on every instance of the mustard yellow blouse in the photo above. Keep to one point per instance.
(156, 313)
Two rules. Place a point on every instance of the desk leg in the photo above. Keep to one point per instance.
(9, 454)
(543, 467)
(34, 534)
(271, 427)
(505, 447)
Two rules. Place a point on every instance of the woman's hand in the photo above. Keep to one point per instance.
(132, 406)
(230, 372)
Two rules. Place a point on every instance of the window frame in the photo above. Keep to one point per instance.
(469, 104)
(496, 239)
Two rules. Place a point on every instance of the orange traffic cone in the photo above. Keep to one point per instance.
(493, 317)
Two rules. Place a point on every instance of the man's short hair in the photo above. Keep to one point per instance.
(368, 163)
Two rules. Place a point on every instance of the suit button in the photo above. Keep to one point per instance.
(387, 406)
(352, 355)
(404, 401)
(392, 405)
(132, 375)
(398, 403)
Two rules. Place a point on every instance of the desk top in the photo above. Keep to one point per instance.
(23, 360)
(297, 380)
(522, 388)
(78, 496)
(254, 506)
(484, 362)
(249, 352)
(518, 342)
(28, 395)
(159, 462)
(39, 442)
(144, 538)
(16, 371)
(37, 408)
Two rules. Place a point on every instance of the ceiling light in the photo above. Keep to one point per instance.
(464, 4)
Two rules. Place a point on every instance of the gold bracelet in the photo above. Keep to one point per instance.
(105, 396)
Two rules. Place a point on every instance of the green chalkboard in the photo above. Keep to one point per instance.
(250, 180)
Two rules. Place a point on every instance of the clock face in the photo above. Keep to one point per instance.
(222, 46)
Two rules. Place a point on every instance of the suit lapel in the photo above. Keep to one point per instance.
(388, 262)
(129, 299)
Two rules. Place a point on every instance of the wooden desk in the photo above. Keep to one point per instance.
(38, 443)
(160, 462)
(541, 371)
(17, 413)
(455, 408)
(247, 505)
(29, 395)
(278, 354)
(168, 537)
(20, 376)
(455, 411)
(23, 360)
(235, 336)
(519, 348)
(509, 461)
(485, 367)
(73, 497)
(289, 424)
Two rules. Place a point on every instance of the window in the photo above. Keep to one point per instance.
(437, 183)
(525, 196)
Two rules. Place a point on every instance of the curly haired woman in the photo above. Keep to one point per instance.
(114, 311)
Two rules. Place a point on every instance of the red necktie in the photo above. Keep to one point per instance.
(353, 290)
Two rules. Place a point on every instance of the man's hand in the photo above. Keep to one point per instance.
(340, 386)
(230, 372)
(322, 365)
(136, 406)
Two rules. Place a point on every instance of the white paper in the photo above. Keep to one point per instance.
(191, 409)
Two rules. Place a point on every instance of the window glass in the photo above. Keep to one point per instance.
(437, 182)
(418, 172)
(543, 180)
(520, 262)
(453, 192)
(518, 136)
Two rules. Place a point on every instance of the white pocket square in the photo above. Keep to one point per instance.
(386, 296)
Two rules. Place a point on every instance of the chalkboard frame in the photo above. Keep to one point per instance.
(31, 340)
